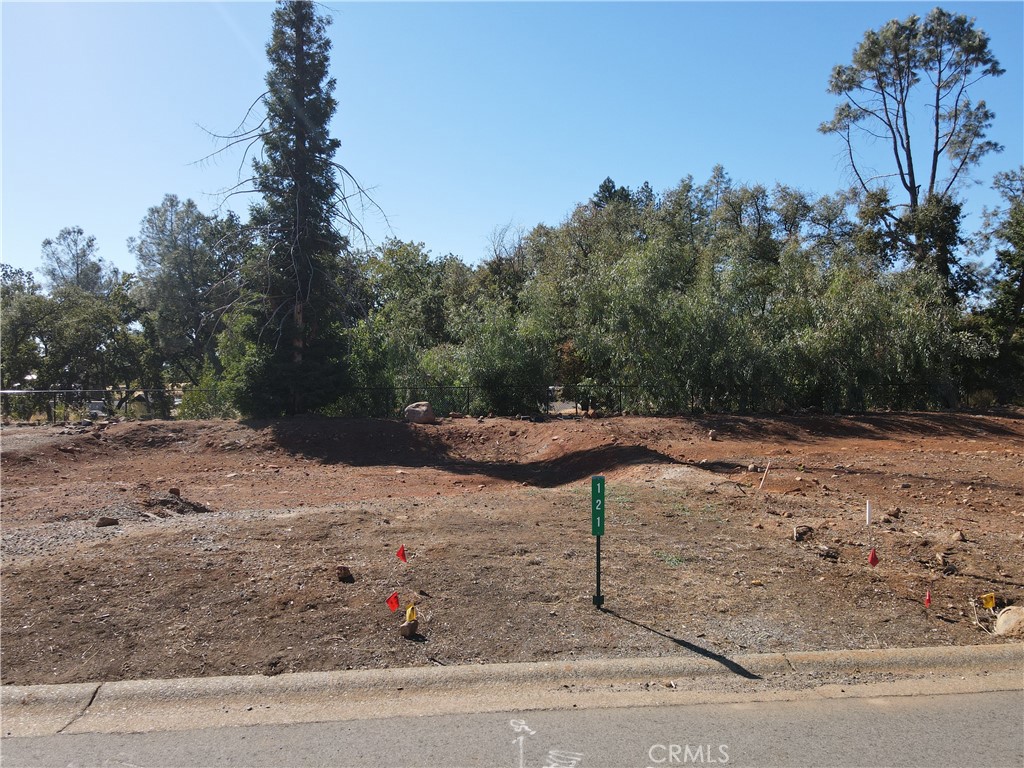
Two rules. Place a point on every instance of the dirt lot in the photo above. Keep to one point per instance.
(236, 573)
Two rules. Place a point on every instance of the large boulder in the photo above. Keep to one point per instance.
(420, 413)
(1010, 621)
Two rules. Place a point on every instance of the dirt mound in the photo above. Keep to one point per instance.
(725, 534)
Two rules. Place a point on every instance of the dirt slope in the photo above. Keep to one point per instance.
(224, 559)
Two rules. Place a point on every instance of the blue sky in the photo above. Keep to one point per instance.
(461, 117)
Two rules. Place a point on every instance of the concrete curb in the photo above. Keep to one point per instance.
(910, 659)
(32, 710)
(147, 705)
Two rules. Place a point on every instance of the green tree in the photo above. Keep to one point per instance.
(505, 270)
(22, 308)
(507, 360)
(608, 192)
(1005, 230)
(295, 301)
(89, 343)
(70, 259)
(936, 61)
(406, 315)
(188, 277)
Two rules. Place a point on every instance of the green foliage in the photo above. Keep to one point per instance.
(371, 385)
(74, 340)
(207, 400)
(1001, 320)
(407, 302)
(445, 366)
(262, 378)
(188, 278)
(506, 362)
(22, 310)
(736, 297)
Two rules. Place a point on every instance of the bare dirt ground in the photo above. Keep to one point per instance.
(237, 572)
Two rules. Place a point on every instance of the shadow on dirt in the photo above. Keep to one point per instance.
(878, 426)
(565, 469)
(365, 443)
(728, 663)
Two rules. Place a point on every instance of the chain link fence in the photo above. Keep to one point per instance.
(63, 406)
(60, 406)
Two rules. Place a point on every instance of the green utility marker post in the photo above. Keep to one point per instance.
(597, 527)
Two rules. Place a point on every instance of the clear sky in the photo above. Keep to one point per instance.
(461, 117)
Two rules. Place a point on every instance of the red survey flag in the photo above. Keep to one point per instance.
(393, 602)
(400, 554)
(927, 598)
(872, 558)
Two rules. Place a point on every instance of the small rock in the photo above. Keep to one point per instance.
(828, 552)
(174, 491)
(801, 532)
(103, 522)
(712, 434)
(958, 535)
(345, 575)
(409, 629)
(752, 468)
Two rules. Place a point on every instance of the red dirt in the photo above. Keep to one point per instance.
(238, 574)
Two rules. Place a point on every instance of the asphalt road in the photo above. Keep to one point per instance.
(964, 729)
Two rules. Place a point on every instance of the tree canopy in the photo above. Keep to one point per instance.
(710, 295)
(70, 259)
(288, 355)
(930, 63)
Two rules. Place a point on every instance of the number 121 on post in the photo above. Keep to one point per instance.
(598, 508)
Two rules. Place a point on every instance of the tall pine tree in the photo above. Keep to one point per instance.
(287, 342)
